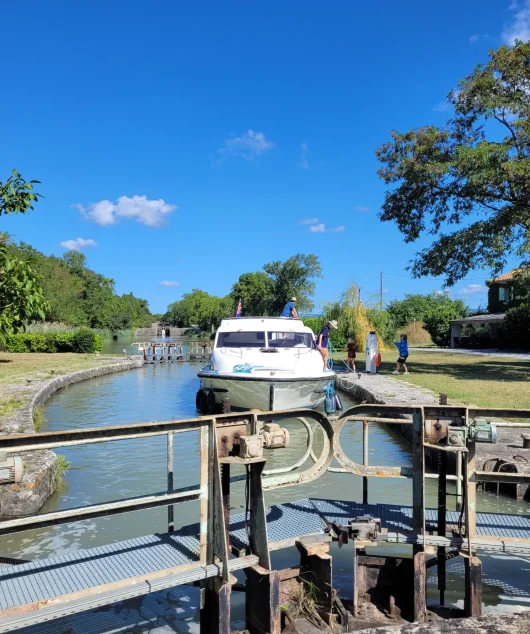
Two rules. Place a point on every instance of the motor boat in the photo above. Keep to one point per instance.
(266, 363)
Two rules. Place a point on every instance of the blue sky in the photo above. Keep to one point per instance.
(191, 140)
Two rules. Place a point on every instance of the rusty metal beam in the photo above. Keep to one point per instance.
(473, 586)
(502, 477)
(262, 601)
(99, 510)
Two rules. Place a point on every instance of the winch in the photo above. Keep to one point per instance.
(11, 468)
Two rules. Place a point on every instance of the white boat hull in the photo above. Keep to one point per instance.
(267, 394)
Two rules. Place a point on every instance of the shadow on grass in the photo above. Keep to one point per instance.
(484, 371)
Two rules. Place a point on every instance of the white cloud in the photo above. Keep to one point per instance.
(321, 228)
(476, 37)
(304, 161)
(139, 208)
(443, 106)
(169, 283)
(519, 27)
(250, 145)
(78, 244)
(385, 290)
(361, 209)
(471, 289)
(309, 221)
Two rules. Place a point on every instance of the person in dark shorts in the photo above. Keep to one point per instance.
(352, 354)
(403, 348)
(322, 342)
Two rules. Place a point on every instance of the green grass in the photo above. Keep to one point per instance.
(39, 419)
(9, 405)
(62, 466)
(467, 379)
(17, 367)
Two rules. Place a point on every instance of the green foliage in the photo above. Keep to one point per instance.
(84, 341)
(39, 419)
(10, 405)
(294, 277)
(416, 307)
(199, 308)
(516, 327)
(62, 467)
(256, 291)
(454, 176)
(21, 297)
(436, 323)
(81, 297)
(17, 195)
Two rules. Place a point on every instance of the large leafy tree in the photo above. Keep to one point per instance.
(256, 292)
(467, 182)
(199, 308)
(295, 277)
(418, 307)
(21, 296)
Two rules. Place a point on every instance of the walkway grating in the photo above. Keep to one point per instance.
(43, 580)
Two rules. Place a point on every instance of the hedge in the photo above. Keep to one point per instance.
(83, 341)
(516, 327)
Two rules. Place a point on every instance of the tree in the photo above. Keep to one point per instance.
(17, 195)
(21, 297)
(293, 277)
(256, 291)
(199, 308)
(416, 307)
(436, 323)
(471, 175)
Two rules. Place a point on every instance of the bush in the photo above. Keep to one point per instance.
(82, 342)
(516, 327)
(86, 341)
(437, 323)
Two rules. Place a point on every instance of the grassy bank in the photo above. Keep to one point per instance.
(16, 367)
(468, 379)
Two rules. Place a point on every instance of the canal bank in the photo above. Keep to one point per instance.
(24, 395)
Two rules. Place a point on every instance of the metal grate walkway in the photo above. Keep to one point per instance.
(40, 582)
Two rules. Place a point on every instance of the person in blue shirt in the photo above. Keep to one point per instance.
(403, 348)
(289, 310)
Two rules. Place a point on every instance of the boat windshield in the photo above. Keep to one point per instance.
(241, 339)
(290, 340)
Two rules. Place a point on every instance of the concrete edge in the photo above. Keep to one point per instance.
(40, 467)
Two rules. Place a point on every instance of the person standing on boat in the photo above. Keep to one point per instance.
(289, 310)
(322, 342)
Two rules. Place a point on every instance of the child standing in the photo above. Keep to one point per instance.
(403, 348)
(352, 354)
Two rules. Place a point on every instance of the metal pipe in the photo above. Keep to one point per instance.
(99, 510)
(170, 510)
(54, 439)
(458, 482)
(365, 460)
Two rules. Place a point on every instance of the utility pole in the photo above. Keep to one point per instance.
(381, 289)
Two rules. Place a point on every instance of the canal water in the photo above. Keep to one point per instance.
(112, 471)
